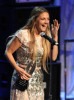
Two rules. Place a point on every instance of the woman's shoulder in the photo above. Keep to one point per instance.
(23, 31)
(23, 35)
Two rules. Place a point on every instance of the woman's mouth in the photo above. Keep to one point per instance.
(44, 25)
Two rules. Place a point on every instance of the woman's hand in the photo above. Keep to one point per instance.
(55, 28)
(23, 74)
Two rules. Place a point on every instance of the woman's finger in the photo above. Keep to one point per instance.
(28, 75)
(52, 27)
(23, 72)
(25, 77)
(55, 22)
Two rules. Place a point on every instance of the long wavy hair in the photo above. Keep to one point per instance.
(45, 43)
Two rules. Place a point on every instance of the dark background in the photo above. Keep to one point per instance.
(12, 17)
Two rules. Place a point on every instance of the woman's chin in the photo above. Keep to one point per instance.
(43, 30)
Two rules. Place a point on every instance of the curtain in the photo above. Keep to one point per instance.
(67, 32)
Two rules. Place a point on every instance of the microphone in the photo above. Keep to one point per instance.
(42, 34)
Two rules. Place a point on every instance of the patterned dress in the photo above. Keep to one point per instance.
(35, 90)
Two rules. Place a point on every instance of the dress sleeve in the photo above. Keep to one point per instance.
(20, 36)
(23, 36)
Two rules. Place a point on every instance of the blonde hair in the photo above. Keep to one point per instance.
(45, 43)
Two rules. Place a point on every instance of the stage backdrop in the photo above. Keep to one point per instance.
(67, 32)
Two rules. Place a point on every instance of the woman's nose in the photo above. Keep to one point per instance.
(47, 21)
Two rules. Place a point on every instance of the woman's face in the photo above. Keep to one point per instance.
(42, 22)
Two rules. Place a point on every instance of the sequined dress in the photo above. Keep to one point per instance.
(35, 90)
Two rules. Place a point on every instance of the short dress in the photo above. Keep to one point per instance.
(35, 90)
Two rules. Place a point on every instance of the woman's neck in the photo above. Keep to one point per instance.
(36, 32)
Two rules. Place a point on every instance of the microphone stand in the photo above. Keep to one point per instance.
(50, 71)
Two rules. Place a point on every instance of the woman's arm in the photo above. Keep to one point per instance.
(11, 48)
(55, 49)
(54, 31)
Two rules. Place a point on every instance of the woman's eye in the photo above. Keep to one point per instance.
(42, 19)
(45, 19)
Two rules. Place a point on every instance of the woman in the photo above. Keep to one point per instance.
(30, 46)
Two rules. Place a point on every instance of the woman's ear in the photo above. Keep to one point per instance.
(34, 22)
